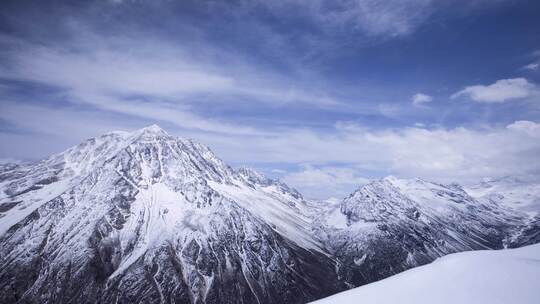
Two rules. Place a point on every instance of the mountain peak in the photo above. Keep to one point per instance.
(160, 214)
(152, 129)
(406, 182)
(251, 173)
(390, 178)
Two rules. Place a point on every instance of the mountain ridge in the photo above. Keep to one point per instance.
(146, 216)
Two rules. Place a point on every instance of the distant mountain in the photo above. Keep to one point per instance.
(520, 193)
(479, 277)
(152, 218)
(391, 225)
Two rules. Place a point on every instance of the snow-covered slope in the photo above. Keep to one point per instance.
(148, 217)
(28, 186)
(479, 277)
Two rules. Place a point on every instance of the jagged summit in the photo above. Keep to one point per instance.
(251, 173)
(390, 178)
(397, 182)
(151, 131)
(114, 137)
(154, 128)
(253, 176)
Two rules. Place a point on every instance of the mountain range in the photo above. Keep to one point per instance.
(148, 217)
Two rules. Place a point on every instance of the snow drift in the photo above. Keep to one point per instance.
(477, 277)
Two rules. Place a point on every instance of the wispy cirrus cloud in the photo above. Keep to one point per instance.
(374, 17)
(370, 17)
(534, 66)
(151, 78)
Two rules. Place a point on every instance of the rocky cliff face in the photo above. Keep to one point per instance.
(148, 217)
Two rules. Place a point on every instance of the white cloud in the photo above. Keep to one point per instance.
(459, 154)
(535, 66)
(41, 131)
(419, 99)
(528, 127)
(440, 154)
(325, 182)
(175, 114)
(152, 79)
(150, 68)
(501, 91)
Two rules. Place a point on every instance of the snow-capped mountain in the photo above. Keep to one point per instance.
(147, 217)
(479, 277)
(521, 193)
(391, 225)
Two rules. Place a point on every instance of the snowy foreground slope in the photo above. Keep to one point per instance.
(478, 277)
(153, 218)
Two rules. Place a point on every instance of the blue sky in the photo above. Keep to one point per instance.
(322, 94)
